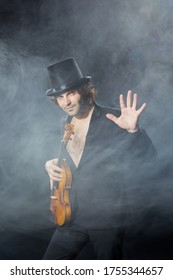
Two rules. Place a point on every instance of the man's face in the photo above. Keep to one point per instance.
(70, 102)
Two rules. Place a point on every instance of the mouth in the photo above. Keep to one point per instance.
(70, 108)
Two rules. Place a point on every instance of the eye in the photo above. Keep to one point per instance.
(72, 93)
(59, 97)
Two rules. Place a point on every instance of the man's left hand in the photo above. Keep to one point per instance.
(129, 114)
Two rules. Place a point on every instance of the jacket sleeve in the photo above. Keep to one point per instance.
(139, 146)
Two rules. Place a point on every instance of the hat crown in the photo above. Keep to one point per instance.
(64, 73)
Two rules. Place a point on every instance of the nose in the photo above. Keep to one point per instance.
(67, 100)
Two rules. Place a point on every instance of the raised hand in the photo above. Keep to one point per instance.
(129, 114)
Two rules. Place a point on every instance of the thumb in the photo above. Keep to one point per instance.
(51, 184)
(112, 118)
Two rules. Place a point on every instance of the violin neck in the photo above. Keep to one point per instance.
(69, 129)
(60, 154)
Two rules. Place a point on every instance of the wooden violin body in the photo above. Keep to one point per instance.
(60, 198)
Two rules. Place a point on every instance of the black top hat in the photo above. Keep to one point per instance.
(65, 75)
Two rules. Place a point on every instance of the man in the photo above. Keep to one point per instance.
(103, 149)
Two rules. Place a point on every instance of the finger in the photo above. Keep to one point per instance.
(55, 178)
(122, 104)
(112, 117)
(135, 100)
(54, 173)
(51, 166)
(129, 96)
(55, 161)
(57, 169)
(141, 109)
(51, 163)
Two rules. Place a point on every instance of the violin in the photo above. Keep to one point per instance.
(59, 198)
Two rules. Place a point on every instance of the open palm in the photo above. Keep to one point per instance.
(129, 114)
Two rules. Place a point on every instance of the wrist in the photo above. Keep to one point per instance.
(133, 130)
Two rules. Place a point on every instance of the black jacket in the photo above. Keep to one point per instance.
(98, 195)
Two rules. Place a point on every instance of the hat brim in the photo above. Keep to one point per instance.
(80, 82)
